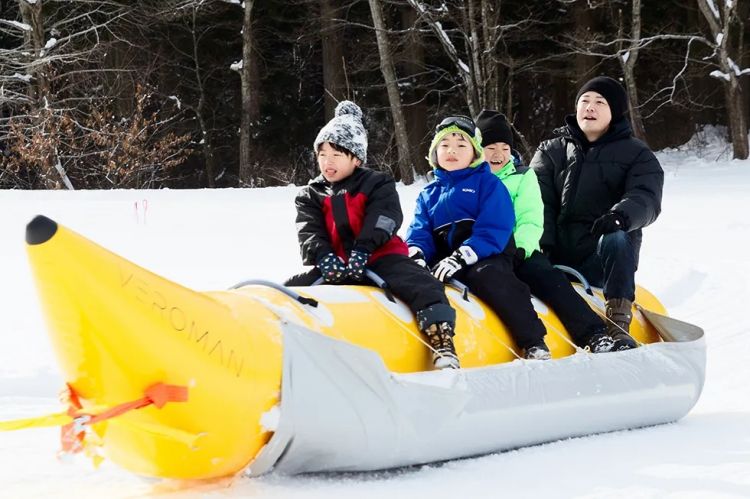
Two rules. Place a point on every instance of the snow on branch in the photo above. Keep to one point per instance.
(19, 76)
(719, 74)
(16, 24)
(714, 9)
(736, 69)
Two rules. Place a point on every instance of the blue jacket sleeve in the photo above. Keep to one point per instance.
(419, 233)
(495, 221)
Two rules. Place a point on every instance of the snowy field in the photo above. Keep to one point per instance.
(694, 258)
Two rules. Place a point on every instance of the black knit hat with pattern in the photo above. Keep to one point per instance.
(494, 127)
(610, 89)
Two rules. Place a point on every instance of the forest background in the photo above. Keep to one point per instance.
(99, 94)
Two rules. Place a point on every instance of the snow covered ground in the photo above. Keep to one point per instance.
(695, 259)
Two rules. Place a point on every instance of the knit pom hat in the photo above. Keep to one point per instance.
(611, 90)
(345, 130)
(494, 127)
(462, 125)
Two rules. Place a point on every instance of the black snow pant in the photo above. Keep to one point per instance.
(406, 279)
(552, 286)
(494, 282)
(613, 266)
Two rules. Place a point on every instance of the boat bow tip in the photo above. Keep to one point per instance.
(40, 230)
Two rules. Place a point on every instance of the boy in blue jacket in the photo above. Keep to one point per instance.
(463, 228)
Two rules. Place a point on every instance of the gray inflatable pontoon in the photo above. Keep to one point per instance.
(342, 410)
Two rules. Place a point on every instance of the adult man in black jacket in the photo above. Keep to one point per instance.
(600, 187)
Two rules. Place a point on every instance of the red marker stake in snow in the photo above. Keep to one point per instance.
(144, 204)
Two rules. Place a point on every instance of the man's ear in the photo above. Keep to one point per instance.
(357, 162)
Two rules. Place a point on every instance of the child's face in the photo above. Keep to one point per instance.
(454, 152)
(497, 155)
(335, 165)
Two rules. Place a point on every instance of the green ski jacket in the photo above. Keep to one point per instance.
(523, 186)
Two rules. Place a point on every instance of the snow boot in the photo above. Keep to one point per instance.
(540, 351)
(620, 313)
(441, 340)
(436, 322)
(598, 340)
(600, 343)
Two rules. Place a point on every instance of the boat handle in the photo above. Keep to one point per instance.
(376, 280)
(577, 275)
(270, 284)
(463, 288)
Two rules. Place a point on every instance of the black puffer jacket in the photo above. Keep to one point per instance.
(580, 181)
(361, 211)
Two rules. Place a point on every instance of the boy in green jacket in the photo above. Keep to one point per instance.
(531, 266)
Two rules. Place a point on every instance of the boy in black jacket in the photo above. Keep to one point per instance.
(347, 219)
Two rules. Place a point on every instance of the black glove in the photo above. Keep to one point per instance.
(332, 268)
(448, 266)
(355, 269)
(519, 257)
(417, 255)
(608, 223)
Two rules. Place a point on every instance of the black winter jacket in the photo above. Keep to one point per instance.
(580, 181)
(362, 211)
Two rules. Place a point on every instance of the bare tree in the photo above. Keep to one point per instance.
(250, 83)
(190, 23)
(628, 59)
(405, 166)
(334, 70)
(54, 122)
(720, 23)
(476, 45)
(415, 107)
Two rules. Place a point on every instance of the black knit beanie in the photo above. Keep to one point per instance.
(611, 90)
(494, 127)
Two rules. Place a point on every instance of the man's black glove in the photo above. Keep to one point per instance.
(332, 268)
(355, 269)
(519, 257)
(608, 223)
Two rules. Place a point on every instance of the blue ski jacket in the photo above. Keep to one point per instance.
(469, 207)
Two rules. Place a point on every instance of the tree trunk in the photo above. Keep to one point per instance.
(207, 141)
(628, 69)
(416, 110)
(248, 174)
(736, 118)
(31, 14)
(334, 76)
(478, 69)
(389, 74)
(583, 19)
(490, 21)
(720, 29)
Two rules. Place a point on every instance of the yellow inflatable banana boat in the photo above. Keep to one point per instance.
(119, 330)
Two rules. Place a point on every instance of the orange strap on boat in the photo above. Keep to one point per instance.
(72, 435)
(158, 395)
